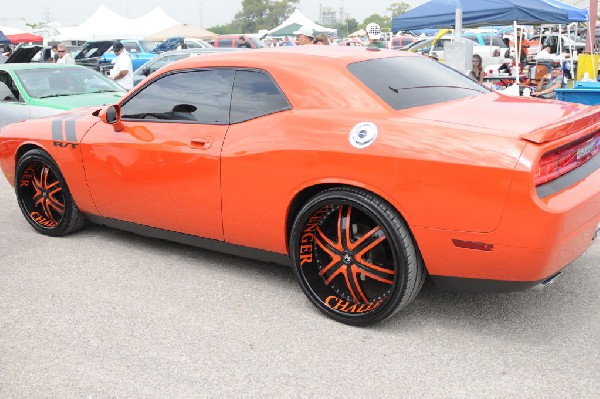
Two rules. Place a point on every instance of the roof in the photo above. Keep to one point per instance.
(295, 57)
(184, 30)
(36, 65)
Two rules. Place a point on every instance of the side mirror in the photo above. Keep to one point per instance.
(112, 115)
(146, 71)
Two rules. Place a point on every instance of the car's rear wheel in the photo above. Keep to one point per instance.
(354, 256)
(44, 197)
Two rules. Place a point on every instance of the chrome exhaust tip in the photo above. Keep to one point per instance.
(547, 281)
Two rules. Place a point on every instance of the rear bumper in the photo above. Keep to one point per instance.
(535, 239)
(482, 285)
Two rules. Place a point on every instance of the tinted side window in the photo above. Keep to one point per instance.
(188, 96)
(224, 43)
(254, 95)
(405, 82)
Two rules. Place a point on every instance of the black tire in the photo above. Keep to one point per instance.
(354, 256)
(44, 197)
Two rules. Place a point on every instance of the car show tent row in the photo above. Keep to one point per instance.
(105, 24)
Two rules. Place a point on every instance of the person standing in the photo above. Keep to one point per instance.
(122, 71)
(321, 39)
(523, 46)
(374, 35)
(305, 35)
(286, 42)
(64, 57)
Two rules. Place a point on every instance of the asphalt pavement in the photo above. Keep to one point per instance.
(107, 314)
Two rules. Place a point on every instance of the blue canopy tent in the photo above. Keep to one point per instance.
(3, 38)
(442, 14)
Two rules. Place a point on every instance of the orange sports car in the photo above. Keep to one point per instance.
(365, 170)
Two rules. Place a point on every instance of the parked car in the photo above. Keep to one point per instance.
(352, 42)
(398, 42)
(491, 53)
(365, 184)
(171, 56)
(234, 41)
(555, 41)
(98, 54)
(31, 90)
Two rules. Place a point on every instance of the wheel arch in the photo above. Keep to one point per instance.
(310, 191)
(23, 149)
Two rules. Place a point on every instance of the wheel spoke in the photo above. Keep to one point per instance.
(332, 246)
(57, 205)
(48, 211)
(374, 274)
(356, 284)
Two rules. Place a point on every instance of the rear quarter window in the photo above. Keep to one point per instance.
(406, 82)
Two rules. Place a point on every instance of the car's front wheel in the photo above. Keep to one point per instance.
(44, 197)
(354, 256)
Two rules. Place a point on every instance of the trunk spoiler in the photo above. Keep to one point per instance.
(582, 123)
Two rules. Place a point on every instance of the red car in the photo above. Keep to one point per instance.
(365, 170)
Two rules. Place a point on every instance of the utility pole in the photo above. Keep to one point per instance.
(201, 16)
(591, 35)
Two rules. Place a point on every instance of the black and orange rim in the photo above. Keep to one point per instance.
(347, 260)
(41, 195)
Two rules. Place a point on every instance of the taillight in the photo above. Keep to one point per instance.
(563, 160)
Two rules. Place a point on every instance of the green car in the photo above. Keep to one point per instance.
(33, 90)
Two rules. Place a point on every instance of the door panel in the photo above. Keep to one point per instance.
(156, 174)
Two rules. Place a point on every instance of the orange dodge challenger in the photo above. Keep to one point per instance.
(364, 170)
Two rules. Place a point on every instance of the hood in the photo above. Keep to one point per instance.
(23, 54)
(81, 100)
(498, 114)
(168, 44)
(94, 49)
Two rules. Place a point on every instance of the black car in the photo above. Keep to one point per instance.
(91, 55)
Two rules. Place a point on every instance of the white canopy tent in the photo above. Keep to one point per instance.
(300, 19)
(106, 24)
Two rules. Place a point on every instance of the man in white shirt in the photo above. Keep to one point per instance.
(64, 57)
(122, 72)
(544, 54)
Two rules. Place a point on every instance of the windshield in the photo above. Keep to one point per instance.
(256, 42)
(67, 81)
(406, 82)
(147, 45)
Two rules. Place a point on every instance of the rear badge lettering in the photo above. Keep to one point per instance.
(363, 134)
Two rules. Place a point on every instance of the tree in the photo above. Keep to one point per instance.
(261, 14)
(384, 22)
(345, 28)
(398, 8)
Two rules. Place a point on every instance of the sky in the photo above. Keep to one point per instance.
(204, 13)
(197, 12)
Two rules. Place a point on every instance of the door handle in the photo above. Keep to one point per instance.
(201, 143)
